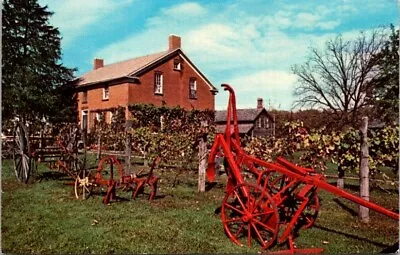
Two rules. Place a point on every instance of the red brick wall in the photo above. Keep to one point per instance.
(175, 88)
(118, 96)
(175, 91)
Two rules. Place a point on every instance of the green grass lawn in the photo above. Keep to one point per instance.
(45, 218)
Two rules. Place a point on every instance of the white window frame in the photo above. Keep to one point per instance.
(85, 113)
(192, 87)
(106, 93)
(111, 116)
(158, 83)
(177, 64)
(98, 116)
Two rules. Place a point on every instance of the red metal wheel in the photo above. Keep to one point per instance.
(307, 217)
(109, 168)
(310, 213)
(254, 217)
(272, 181)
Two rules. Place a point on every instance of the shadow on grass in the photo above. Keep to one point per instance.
(52, 175)
(345, 207)
(379, 244)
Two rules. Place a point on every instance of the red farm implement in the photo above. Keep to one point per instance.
(268, 203)
(63, 156)
(106, 175)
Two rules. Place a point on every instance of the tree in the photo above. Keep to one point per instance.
(35, 82)
(386, 84)
(338, 78)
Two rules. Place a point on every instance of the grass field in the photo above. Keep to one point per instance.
(45, 218)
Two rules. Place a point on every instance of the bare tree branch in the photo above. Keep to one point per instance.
(338, 77)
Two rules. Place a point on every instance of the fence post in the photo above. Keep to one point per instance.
(83, 137)
(202, 159)
(128, 150)
(363, 212)
(273, 128)
(99, 145)
(41, 143)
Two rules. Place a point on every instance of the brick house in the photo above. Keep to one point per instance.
(167, 78)
(251, 121)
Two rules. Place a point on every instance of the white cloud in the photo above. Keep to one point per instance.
(73, 17)
(266, 80)
(232, 44)
(306, 20)
(191, 9)
(313, 21)
(274, 86)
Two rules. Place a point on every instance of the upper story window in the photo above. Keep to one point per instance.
(106, 93)
(158, 83)
(177, 64)
(84, 96)
(262, 119)
(192, 88)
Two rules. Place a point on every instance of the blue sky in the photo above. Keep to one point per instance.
(250, 44)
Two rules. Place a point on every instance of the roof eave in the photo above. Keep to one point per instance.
(124, 78)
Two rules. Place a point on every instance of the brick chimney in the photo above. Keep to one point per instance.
(97, 63)
(260, 103)
(174, 42)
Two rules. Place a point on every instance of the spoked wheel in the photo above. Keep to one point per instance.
(110, 168)
(253, 217)
(306, 218)
(83, 185)
(272, 181)
(310, 213)
(23, 162)
(68, 138)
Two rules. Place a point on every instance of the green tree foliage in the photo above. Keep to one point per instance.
(35, 82)
(172, 133)
(312, 119)
(386, 84)
(320, 146)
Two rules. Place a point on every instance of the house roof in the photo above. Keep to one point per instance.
(132, 67)
(249, 114)
(119, 69)
(243, 128)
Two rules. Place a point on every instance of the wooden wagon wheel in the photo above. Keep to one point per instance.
(23, 162)
(68, 142)
(68, 138)
(255, 217)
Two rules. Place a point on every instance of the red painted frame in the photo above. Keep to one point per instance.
(304, 181)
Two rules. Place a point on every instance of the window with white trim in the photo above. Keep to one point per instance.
(85, 119)
(106, 93)
(98, 116)
(177, 64)
(158, 83)
(111, 117)
(192, 88)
